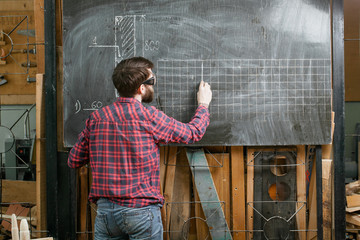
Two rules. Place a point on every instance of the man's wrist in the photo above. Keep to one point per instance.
(204, 104)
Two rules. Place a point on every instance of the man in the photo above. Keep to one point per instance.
(121, 144)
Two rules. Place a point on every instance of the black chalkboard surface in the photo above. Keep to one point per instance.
(267, 61)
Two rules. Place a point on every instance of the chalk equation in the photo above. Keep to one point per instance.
(93, 106)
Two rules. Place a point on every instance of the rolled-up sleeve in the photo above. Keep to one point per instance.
(166, 129)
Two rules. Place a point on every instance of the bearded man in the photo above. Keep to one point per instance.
(121, 144)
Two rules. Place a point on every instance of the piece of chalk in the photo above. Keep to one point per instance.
(14, 228)
(24, 230)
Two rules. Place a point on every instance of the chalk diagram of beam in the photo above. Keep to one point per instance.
(124, 36)
(126, 30)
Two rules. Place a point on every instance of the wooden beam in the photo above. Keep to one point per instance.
(301, 192)
(163, 152)
(354, 209)
(18, 191)
(221, 177)
(312, 225)
(14, 99)
(181, 209)
(40, 35)
(10, 6)
(327, 197)
(60, 100)
(353, 201)
(83, 201)
(40, 155)
(169, 185)
(353, 219)
(250, 192)
(238, 192)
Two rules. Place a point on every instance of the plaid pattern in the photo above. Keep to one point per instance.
(121, 143)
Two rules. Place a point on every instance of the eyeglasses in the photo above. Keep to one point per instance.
(150, 81)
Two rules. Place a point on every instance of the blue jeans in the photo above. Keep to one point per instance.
(116, 222)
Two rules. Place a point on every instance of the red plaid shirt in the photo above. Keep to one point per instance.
(121, 143)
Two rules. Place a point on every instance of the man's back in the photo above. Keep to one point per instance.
(123, 150)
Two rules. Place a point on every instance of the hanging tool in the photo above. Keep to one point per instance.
(28, 32)
(33, 51)
(29, 64)
(2, 80)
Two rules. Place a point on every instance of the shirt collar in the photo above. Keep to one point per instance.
(127, 100)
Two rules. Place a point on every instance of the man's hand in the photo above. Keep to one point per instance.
(204, 94)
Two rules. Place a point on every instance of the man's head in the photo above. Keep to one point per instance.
(131, 74)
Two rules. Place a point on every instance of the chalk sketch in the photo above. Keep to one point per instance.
(125, 28)
(95, 105)
(269, 67)
(245, 89)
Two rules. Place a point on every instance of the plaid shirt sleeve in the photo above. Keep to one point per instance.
(79, 154)
(120, 141)
(166, 129)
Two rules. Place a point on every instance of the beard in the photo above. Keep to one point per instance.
(148, 95)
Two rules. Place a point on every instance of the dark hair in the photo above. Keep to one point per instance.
(129, 74)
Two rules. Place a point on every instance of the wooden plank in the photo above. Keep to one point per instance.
(92, 209)
(312, 225)
(18, 191)
(352, 188)
(83, 201)
(353, 201)
(163, 156)
(40, 35)
(327, 197)
(221, 178)
(250, 192)
(238, 192)
(354, 209)
(301, 192)
(163, 152)
(181, 208)
(40, 155)
(209, 198)
(351, 19)
(202, 229)
(59, 100)
(14, 99)
(169, 186)
(353, 219)
(59, 22)
(352, 71)
(24, 5)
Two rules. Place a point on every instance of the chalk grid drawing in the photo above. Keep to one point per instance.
(243, 89)
(247, 89)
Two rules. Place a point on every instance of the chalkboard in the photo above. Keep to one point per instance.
(268, 63)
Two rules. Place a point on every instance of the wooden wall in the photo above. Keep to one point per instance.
(18, 90)
(352, 49)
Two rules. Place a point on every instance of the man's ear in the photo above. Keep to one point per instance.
(141, 89)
